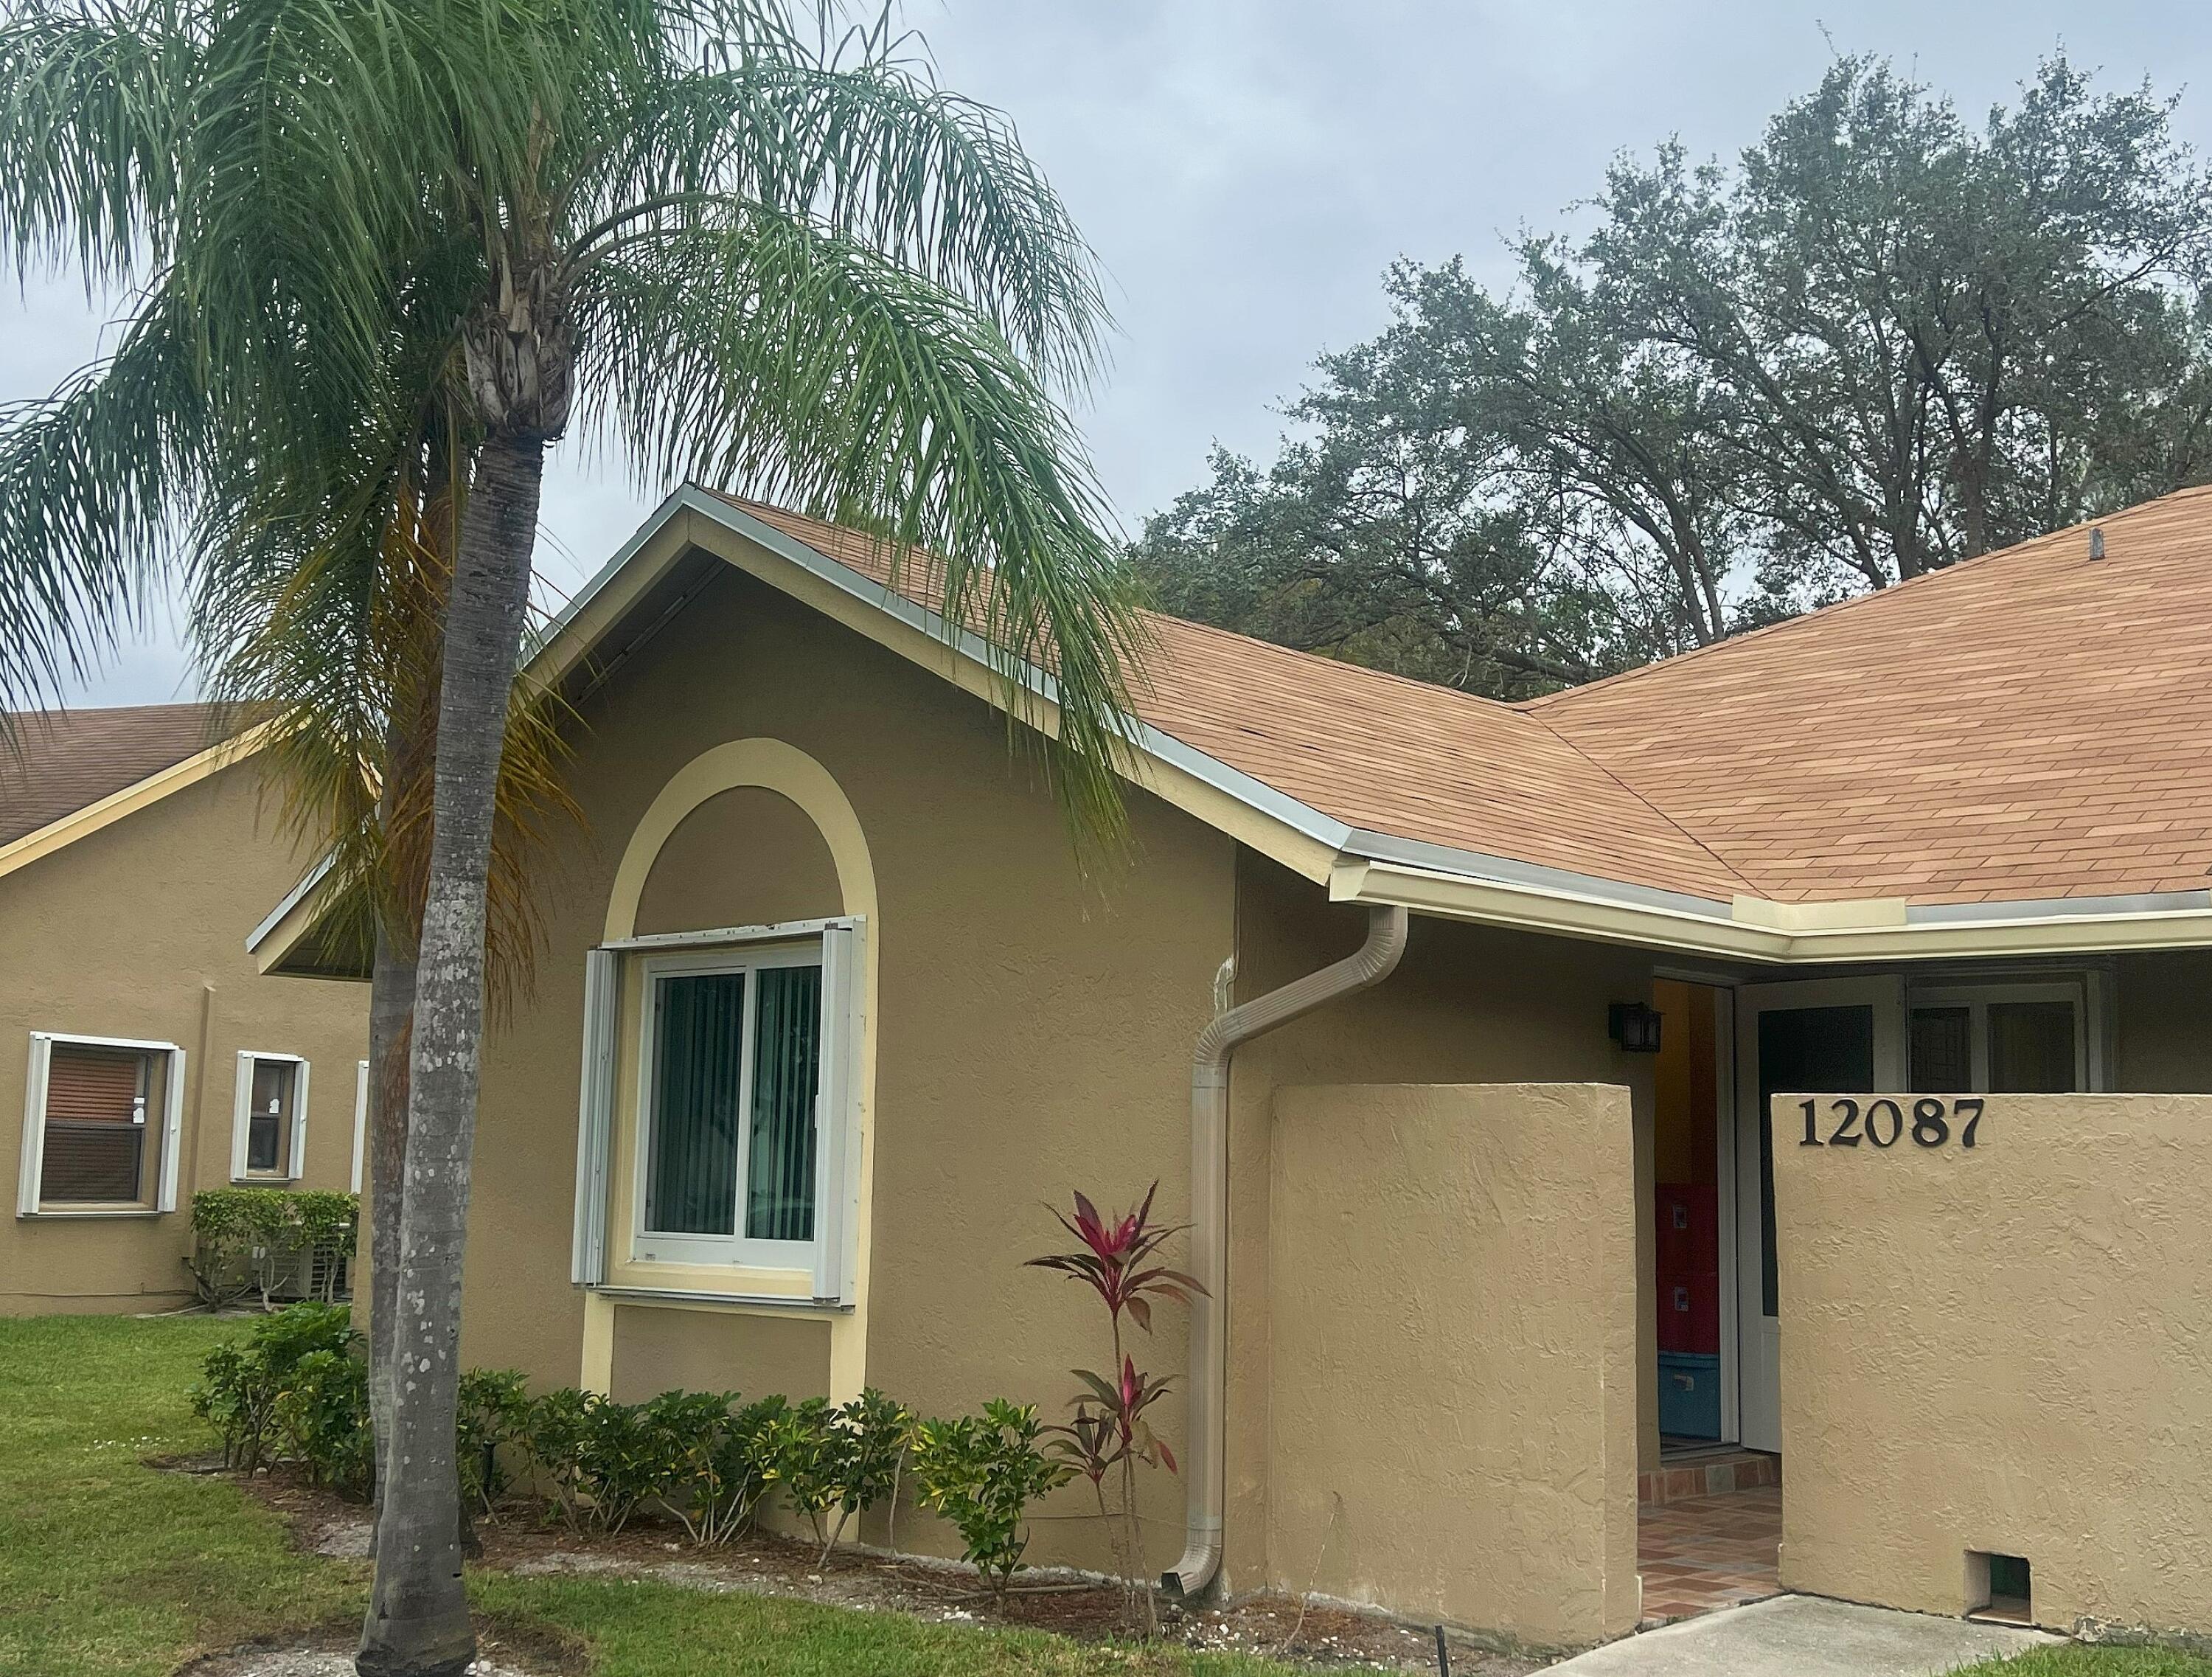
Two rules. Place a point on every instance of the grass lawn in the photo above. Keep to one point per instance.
(112, 1568)
(2070, 1660)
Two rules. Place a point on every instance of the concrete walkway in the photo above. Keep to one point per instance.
(1804, 1636)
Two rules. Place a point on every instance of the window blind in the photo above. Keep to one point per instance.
(95, 1140)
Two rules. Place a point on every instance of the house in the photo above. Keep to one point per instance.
(1777, 1074)
(137, 853)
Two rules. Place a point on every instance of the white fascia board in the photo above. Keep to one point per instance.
(2090, 926)
(293, 898)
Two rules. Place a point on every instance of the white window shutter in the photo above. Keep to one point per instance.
(173, 1130)
(241, 1103)
(295, 1166)
(359, 1118)
(35, 1125)
(838, 1126)
(595, 1102)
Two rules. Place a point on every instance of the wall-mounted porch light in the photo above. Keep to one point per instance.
(1633, 1025)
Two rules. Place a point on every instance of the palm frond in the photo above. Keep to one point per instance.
(762, 351)
(869, 149)
(91, 481)
(89, 126)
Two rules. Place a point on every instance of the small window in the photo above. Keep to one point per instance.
(268, 1117)
(1999, 1039)
(2032, 1048)
(100, 1124)
(733, 1064)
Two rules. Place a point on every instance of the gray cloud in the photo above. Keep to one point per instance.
(1246, 168)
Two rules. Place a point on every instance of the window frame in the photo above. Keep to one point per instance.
(1977, 995)
(32, 1160)
(611, 1127)
(737, 1248)
(241, 1107)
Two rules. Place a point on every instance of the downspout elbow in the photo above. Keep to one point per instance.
(1206, 1483)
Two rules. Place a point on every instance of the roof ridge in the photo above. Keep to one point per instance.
(1888, 591)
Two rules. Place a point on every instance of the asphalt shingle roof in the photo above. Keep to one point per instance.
(61, 762)
(2028, 724)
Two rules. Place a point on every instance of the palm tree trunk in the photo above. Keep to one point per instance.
(390, 1002)
(418, 1616)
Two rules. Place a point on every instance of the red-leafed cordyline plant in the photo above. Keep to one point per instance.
(1109, 1434)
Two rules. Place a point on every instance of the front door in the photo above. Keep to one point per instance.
(1841, 1035)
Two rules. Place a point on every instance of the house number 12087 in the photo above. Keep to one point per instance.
(1884, 1123)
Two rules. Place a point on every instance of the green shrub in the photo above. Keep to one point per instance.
(322, 1422)
(242, 1379)
(494, 1415)
(981, 1472)
(718, 1458)
(602, 1459)
(836, 1462)
(247, 1239)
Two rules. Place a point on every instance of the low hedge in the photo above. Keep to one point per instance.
(254, 1240)
(295, 1388)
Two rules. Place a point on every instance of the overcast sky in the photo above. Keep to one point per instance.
(1246, 168)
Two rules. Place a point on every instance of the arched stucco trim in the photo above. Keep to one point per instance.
(777, 766)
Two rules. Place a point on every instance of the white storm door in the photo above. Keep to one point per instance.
(1831, 1036)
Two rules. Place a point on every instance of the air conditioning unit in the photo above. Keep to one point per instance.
(318, 1272)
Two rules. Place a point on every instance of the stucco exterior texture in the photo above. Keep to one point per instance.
(2003, 1351)
(1452, 1429)
(139, 931)
(1033, 1026)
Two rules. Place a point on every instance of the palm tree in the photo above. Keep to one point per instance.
(748, 253)
(327, 623)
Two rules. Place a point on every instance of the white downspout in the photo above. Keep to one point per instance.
(1208, 1404)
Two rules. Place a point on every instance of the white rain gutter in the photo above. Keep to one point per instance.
(1207, 1405)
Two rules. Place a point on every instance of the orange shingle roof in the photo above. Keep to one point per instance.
(62, 761)
(1375, 752)
(2030, 724)
(2027, 724)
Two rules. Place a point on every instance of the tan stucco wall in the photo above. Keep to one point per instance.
(1467, 1003)
(2003, 1350)
(1034, 1033)
(659, 1349)
(1033, 1036)
(139, 931)
(1478, 1243)
(746, 857)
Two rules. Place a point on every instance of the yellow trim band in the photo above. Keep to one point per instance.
(773, 765)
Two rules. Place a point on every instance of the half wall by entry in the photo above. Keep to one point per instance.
(1452, 1324)
(1998, 1349)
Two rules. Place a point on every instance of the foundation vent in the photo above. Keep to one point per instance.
(2002, 1586)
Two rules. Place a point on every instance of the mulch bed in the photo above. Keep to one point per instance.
(1321, 1635)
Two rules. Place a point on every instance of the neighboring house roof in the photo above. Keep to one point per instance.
(67, 773)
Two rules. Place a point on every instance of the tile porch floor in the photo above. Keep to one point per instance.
(1704, 1553)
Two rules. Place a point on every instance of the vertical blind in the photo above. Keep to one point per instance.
(691, 1184)
(94, 1148)
(779, 1178)
(701, 1128)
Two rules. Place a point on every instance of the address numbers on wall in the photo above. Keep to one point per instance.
(1928, 1121)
